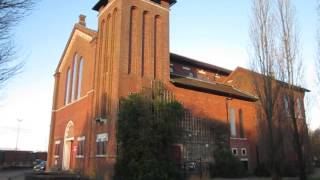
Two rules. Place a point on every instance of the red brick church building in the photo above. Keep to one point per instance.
(129, 51)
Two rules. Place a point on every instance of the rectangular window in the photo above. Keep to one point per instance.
(299, 110)
(74, 78)
(191, 74)
(57, 149)
(80, 77)
(171, 68)
(286, 106)
(101, 144)
(80, 151)
(186, 68)
(67, 93)
(243, 151)
(232, 119)
(241, 123)
(202, 72)
(235, 151)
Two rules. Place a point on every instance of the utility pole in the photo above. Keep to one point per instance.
(18, 132)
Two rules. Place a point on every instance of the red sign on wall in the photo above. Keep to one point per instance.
(75, 148)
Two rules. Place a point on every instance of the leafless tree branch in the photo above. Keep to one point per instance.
(292, 70)
(264, 60)
(11, 13)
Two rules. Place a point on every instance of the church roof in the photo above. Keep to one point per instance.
(77, 27)
(101, 3)
(210, 87)
(189, 61)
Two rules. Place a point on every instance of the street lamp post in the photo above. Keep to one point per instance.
(18, 132)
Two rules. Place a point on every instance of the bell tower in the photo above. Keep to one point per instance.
(132, 49)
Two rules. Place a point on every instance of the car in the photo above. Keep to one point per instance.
(37, 161)
(41, 166)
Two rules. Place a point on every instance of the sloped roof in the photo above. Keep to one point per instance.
(209, 87)
(79, 27)
(185, 60)
(258, 75)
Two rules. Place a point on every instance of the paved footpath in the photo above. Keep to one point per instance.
(13, 174)
(315, 175)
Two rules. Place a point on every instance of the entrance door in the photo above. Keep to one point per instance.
(66, 155)
(67, 145)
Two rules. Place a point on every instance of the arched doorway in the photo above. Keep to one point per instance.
(67, 147)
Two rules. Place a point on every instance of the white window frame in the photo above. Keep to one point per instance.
(81, 138)
(57, 142)
(186, 68)
(103, 137)
(67, 90)
(80, 76)
(235, 150)
(245, 150)
(74, 77)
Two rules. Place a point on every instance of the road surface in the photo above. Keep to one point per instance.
(13, 174)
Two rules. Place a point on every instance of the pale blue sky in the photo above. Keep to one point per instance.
(213, 31)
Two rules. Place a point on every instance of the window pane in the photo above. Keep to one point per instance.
(241, 123)
(232, 122)
(67, 94)
(74, 79)
(286, 106)
(80, 77)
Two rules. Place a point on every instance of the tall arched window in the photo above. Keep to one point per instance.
(299, 110)
(241, 128)
(232, 120)
(156, 38)
(67, 94)
(80, 72)
(74, 78)
(144, 32)
(286, 106)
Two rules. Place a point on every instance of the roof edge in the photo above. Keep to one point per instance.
(101, 3)
(81, 28)
(201, 64)
(245, 96)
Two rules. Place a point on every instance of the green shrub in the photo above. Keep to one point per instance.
(262, 170)
(226, 165)
(146, 131)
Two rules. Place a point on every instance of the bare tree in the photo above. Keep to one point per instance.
(292, 72)
(315, 143)
(317, 63)
(264, 61)
(11, 12)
